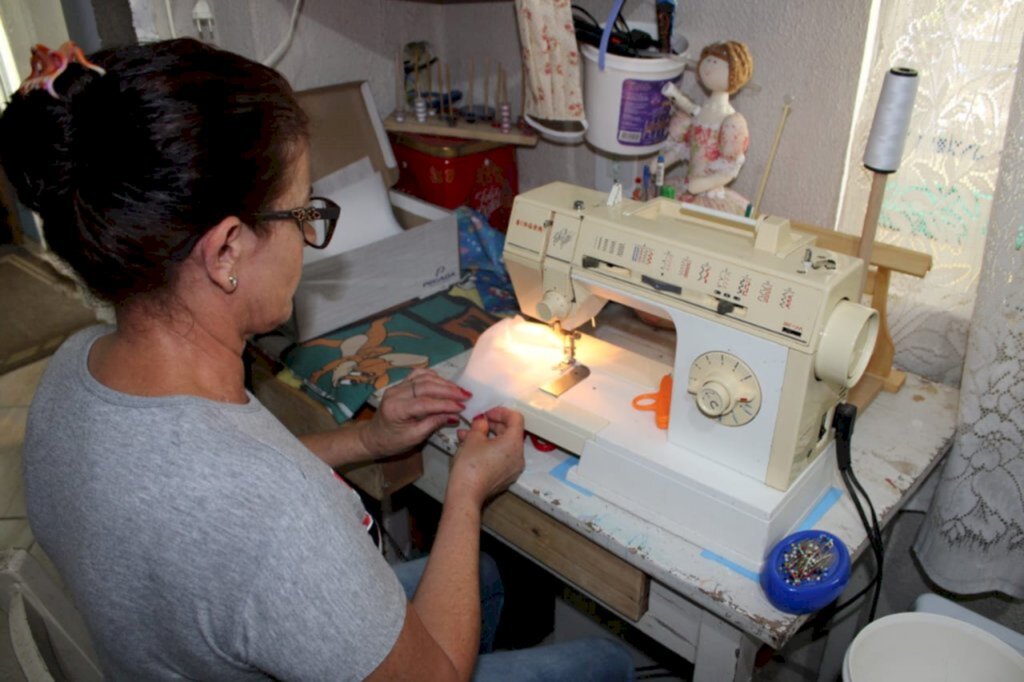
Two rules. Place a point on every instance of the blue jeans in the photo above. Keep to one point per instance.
(592, 659)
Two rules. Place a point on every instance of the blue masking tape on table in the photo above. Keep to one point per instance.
(806, 571)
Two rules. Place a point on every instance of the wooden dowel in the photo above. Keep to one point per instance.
(786, 106)
(448, 88)
(867, 233)
(522, 90)
(487, 86)
(400, 82)
(416, 76)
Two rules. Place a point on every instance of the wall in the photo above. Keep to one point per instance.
(26, 24)
(335, 40)
(810, 51)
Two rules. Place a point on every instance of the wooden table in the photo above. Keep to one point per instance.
(706, 611)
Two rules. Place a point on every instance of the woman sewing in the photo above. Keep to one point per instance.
(199, 538)
(713, 138)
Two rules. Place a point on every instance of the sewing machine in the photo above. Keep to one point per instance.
(769, 337)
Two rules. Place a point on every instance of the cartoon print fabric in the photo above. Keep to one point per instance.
(344, 368)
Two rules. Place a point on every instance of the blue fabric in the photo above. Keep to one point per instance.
(593, 659)
(480, 248)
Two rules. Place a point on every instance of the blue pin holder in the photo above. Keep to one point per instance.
(806, 571)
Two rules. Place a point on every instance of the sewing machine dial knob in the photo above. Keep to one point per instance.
(725, 388)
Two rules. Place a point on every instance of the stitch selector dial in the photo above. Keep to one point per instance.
(725, 388)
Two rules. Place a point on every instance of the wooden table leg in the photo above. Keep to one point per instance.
(724, 653)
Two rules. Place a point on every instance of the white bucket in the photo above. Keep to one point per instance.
(628, 115)
(920, 647)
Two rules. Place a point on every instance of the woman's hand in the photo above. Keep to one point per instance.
(490, 457)
(412, 410)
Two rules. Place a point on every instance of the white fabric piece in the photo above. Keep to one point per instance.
(509, 360)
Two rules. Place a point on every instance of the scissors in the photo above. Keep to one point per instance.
(659, 402)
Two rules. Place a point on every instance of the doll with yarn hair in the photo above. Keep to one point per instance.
(712, 138)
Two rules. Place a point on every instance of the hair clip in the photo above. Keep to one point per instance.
(48, 64)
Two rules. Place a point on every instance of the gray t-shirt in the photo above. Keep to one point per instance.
(201, 540)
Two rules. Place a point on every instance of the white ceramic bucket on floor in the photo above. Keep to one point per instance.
(627, 113)
(922, 647)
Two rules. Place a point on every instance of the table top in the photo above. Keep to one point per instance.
(897, 442)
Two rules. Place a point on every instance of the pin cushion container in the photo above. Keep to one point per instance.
(805, 571)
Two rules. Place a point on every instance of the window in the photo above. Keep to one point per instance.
(939, 200)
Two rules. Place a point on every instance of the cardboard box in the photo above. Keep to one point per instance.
(424, 259)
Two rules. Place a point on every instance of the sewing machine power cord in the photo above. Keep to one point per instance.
(845, 417)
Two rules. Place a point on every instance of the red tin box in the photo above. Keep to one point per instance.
(452, 172)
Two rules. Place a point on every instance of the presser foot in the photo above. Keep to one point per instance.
(575, 375)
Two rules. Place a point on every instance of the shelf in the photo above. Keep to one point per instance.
(479, 130)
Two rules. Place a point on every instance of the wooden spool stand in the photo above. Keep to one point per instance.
(883, 260)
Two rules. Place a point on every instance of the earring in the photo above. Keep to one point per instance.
(233, 281)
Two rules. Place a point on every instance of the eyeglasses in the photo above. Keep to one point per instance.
(316, 221)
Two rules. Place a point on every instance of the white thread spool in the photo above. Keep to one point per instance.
(421, 109)
(892, 119)
(884, 150)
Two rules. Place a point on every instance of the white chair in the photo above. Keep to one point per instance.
(47, 633)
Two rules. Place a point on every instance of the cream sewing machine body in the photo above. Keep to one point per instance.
(768, 339)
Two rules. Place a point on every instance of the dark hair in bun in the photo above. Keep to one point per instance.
(129, 169)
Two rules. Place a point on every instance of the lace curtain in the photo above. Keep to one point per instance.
(972, 539)
(940, 199)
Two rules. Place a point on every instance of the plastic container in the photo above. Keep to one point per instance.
(811, 595)
(626, 111)
(921, 647)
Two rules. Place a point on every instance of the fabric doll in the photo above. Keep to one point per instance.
(712, 138)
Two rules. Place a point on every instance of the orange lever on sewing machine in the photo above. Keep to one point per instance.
(660, 403)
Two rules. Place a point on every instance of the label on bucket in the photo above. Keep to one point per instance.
(644, 113)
